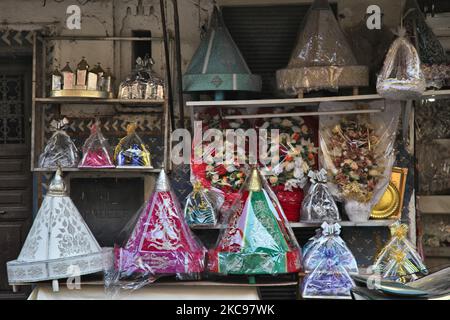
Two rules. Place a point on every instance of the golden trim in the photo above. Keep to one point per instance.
(388, 204)
(79, 93)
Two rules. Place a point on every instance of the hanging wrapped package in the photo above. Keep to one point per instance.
(258, 238)
(329, 243)
(158, 241)
(358, 153)
(322, 58)
(59, 244)
(96, 150)
(60, 151)
(401, 77)
(131, 151)
(329, 280)
(319, 204)
(201, 206)
(398, 260)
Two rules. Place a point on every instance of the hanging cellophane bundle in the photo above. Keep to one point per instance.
(398, 260)
(96, 150)
(287, 162)
(60, 151)
(156, 242)
(257, 238)
(319, 204)
(328, 263)
(358, 153)
(209, 165)
(401, 77)
(143, 83)
(131, 151)
(201, 208)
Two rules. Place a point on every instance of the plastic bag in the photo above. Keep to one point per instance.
(328, 280)
(60, 151)
(330, 243)
(131, 151)
(297, 154)
(201, 206)
(398, 260)
(96, 150)
(143, 83)
(319, 204)
(401, 77)
(157, 242)
(258, 238)
(358, 153)
(322, 58)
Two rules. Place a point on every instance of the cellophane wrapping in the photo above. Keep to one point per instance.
(143, 83)
(258, 238)
(286, 170)
(96, 150)
(322, 57)
(209, 166)
(401, 77)
(319, 204)
(157, 242)
(201, 206)
(60, 151)
(329, 243)
(131, 151)
(398, 260)
(358, 153)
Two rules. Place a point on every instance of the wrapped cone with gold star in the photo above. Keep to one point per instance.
(258, 238)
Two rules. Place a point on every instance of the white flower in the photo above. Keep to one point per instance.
(298, 173)
(289, 166)
(299, 120)
(235, 125)
(296, 129)
(290, 184)
(277, 170)
(276, 120)
(286, 123)
(231, 168)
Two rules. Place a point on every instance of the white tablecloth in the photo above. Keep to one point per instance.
(167, 292)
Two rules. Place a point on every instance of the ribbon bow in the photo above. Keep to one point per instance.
(399, 230)
(330, 229)
(317, 176)
(56, 125)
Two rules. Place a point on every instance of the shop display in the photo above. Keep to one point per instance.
(143, 83)
(201, 206)
(82, 74)
(398, 260)
(131, 152)
(218, 65)
(96, 150)
(329, 280)
(401, 77)
(159, 241)
(60, 151)
(322, 57)
(287, 171)
(329, 246)
(319, 204)
(258, 238)
(358, 153)
(68, 77)
(59, 244)
(57, 80)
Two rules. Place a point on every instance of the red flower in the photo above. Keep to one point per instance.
(220, 169)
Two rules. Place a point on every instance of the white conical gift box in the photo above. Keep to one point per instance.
(59, 244)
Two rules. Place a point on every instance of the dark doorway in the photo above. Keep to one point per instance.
(15, 177)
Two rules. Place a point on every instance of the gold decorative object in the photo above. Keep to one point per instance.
(79, 93)
(391, 203)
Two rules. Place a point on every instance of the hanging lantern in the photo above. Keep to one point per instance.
(218, 65)
(322, 57)
(82, 74)
(59, 244)
(160, 241)
(258, 238)
(68, 77)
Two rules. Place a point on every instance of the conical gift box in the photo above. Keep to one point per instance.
(161, 241)
(398, 260)
(218, 65)
(322, 57)
(96, 150)
(59, 244)
(258, 238)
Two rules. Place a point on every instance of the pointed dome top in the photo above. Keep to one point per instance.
(57, 187)
(255, 181)
(162, 184)
(218, 65)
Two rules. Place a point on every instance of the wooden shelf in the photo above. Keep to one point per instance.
(433, 204)
(296, 225)
(100, 170)
(81, 100)
(431, 94)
